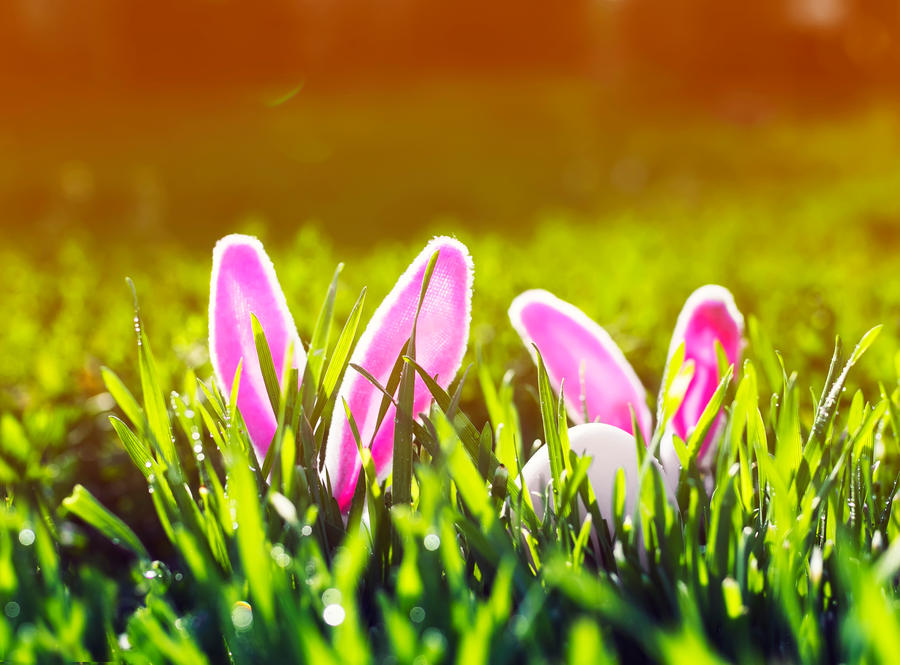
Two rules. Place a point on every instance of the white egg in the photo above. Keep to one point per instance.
(611, 449)
(671, 465)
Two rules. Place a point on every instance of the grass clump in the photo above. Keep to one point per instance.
(792, 556)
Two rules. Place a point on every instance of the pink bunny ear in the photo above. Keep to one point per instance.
(708, 315)
(581, 356)
(442, 333)
(244, 283)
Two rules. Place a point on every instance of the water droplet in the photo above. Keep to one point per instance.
(306, 530)
(334, 615)
(815, 566)
(242, 616)
(417, 614)
(26, 537)
(159, 577)
(189, 413)
(66, 534)
(877, 543)
(124, 642)
(434, 641)
(201, 457)
(281, 557)
(198, 448)
(148, 464)
(432, 542)
(12, 609)
(331, 597)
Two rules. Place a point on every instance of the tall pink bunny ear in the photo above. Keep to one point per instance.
(582, 357)
(244, 283)
(709, 315)
(442, 334)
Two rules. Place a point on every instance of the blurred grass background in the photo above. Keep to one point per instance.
(622, 213)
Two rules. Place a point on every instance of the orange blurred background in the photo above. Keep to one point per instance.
(96, 47)
(371, 118)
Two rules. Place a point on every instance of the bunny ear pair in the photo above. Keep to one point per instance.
(582, 359)
(244, 282)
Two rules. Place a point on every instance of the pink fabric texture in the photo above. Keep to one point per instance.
(244, 282)
(709, 315)
(442, 334)
(582, 357)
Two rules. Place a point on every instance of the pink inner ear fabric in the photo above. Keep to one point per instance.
(581, 356)
(441, 336)
(244, 282)
(708, 316)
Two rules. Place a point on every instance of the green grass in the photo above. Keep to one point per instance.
(792, 558)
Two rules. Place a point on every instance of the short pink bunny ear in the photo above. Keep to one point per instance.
(582, 357)
(442, 333)
(709, 315)
(244, 283)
